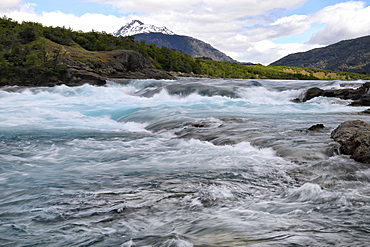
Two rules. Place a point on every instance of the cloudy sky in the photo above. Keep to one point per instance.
(259, 31)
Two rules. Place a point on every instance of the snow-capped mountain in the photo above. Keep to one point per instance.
(163, 37)
(138, 27)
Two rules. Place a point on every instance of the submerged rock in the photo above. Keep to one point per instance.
(316, 128)
(354, 139)
(366, 112)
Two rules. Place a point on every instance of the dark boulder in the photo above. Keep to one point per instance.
(354, 139)
(364, 100)
(312, 93)
(316, 128)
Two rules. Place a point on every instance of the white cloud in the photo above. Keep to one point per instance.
(342, 21)
(5, 4)
(266, 52)
(86, 22)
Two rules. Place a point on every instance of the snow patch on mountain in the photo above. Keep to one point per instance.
(137, 27)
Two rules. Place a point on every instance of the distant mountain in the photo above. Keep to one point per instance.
(163, 37)
(348, 55)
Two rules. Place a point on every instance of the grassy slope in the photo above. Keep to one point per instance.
(232, 70)
(74, 51)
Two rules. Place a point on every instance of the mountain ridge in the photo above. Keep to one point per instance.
(163, 37)
(351, 55)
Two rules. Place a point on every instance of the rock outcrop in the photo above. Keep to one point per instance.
(354, 139)
(120, 64)
(360, 96)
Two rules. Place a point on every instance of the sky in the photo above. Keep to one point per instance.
(258, 31)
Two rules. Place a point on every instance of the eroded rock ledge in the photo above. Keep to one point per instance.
(354, 139)
(119, 64)
(360, 96)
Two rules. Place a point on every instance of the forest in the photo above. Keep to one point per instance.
(25, 56)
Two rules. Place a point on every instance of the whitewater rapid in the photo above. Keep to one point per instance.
(192, 162)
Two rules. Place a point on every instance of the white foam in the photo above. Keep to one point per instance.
(263, 96)
(177, 243)
(93, 108)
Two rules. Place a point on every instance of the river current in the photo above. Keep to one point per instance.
(192, 162)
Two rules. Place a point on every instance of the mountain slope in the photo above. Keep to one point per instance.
(162, 37)
(348, 55)
(191, 46)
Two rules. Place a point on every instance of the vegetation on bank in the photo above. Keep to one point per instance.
(351, 55)
(32, 52)
(234, 70)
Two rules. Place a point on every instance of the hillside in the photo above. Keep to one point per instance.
(34, 55)
(234, 70)
(348, 55)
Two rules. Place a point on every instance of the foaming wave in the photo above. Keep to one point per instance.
(263, 96)
(46, 119)
(329, 105)
(242, 155)
(62, 107)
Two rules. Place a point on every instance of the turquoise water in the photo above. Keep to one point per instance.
(193, 162)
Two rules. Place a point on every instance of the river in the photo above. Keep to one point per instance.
(192, 162)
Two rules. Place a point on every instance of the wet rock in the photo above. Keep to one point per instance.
(316, 128)
(312, 93)
(229, 131)
(354, 139)
(364, 100)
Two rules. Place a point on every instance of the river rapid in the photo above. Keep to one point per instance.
(192, 162)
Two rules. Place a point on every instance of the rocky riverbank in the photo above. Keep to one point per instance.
(353, 136)
(96, 68)
(119, 64)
